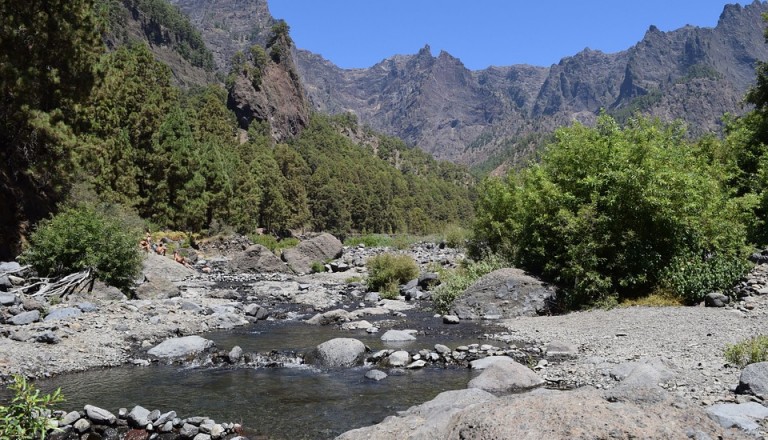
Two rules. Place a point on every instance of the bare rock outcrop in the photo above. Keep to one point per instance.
(319, 249)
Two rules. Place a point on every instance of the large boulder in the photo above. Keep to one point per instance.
(338, 353)
(505, 293)
(320, 249)
(181, 347)
(505, 377)
(754, 380)
(160, 276)
(258, 259)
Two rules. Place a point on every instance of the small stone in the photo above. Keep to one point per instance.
(375, 375)
(416, 365)
(99, 415)
(69, 418)
(188, 430)
(235, 354)
(82, 425)
(451, 319)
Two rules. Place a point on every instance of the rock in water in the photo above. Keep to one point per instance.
(339, 353)
(181, 347)
(397, 336)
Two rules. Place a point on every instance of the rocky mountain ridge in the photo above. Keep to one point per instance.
(694, 74)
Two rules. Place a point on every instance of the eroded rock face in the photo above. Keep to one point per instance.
(504, 293)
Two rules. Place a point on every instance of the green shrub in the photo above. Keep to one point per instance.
(747, 352)
(613, 213)
(453, 282)
(317, 267)
(273, 244)
(457, 237)
(27, 416)
(387, 271)
(80, 238)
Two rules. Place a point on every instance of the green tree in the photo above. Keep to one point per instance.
(47, 54)
(618, 212)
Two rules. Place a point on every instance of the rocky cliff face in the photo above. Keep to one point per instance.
(694, 74)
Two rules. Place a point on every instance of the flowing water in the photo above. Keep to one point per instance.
(297, 402)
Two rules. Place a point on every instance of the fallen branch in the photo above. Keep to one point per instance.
(73, 282)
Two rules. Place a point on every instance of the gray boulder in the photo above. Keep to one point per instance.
(258, 259)
(754, 380)
(319, 249)
(138, 417)
(734, 415)
(716, 299)
(9, 267)
(505, 293)
(99, 415)
(158, 266)
(25, 318)
(375, 375)
(339, 353)
(8, 299)
(482, 364)
(397, 336)
(62, 313)
(181, 347)
(504, 377)
(399, 358)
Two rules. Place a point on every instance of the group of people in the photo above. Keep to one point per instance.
(148, 245)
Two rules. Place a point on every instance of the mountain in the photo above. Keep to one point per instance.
(694, 74)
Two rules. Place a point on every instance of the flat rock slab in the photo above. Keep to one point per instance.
(63, 313)
(743, 416)
(482, 364)
(25, 318)
(181, 347)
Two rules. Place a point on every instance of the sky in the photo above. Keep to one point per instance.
(482, 33)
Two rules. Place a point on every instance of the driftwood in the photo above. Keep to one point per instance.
(74, 282)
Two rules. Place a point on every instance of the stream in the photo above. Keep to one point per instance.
(296, 402)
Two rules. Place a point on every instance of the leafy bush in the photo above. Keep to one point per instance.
(273, 244)
(613, 213)
(27, 416)
(387, 271)
(318, 266)
(80, 238)
(454, 282)
(747, 352)
(457, 237)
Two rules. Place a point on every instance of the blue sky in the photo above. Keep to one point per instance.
(360, 33)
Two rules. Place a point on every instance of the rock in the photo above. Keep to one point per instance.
(647, 372)
(235, 354)
(47, 337)
(502, 377)
(180, 347)
(482, 364)
(442, 349)
(5, 283)
(256, 311)
(25, 318)
(428, 280)
(339, 266)
(416, 364)
(375, 375)
(69, 418)
(372, 297)
(426, 421)
(339, 353)
(754, 380)
(451, 319)
(62, 313)
(8, 299)
(161, 267)
(87, 307)
(716, 299)
(136, 434)
(356, 325)
(188, 430)
(99, 415)
(557, 349)
(9, 266)
(138, 417)
(397, 336)
(165, 418)
(505, 293)
(399, 358)
(740, 415)
(217, 431)
(202, 436)
(322, 248)
(82, 425)
(329, 317)
(258, 259)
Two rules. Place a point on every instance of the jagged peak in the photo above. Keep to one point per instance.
(425, 51)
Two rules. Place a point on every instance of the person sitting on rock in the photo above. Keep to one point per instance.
(160, 249)
(180, 259)
(144, 245)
